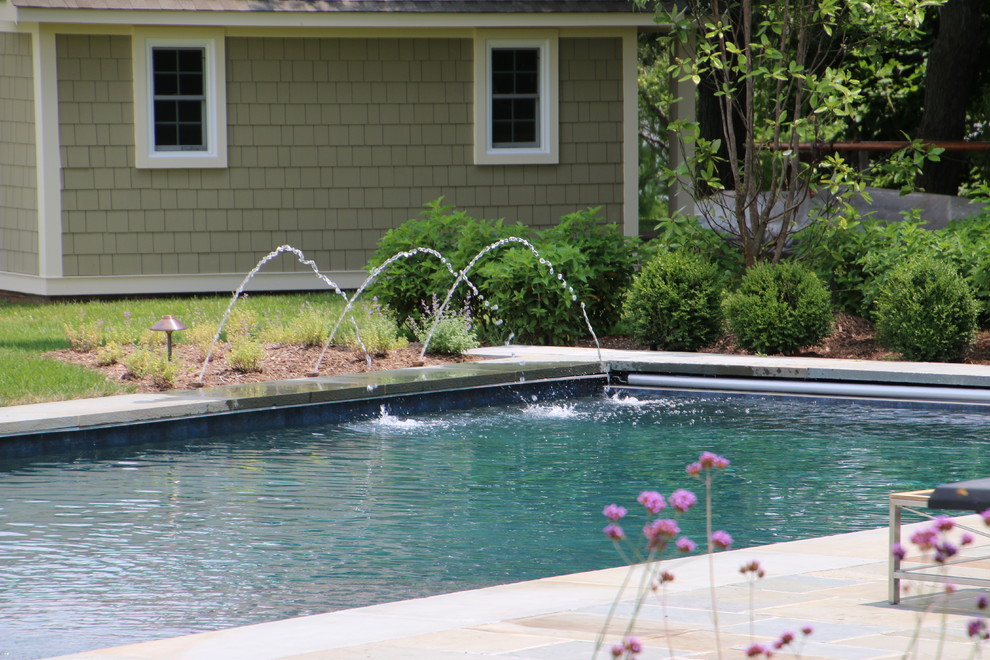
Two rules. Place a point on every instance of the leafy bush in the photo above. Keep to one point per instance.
(108, 354)
(544, 307)
(610, 259)
(309, 327)
(245, 355)
(143, 362)
(458, 237)
(454, 333)
(681, 233)
(674, 303)
(926, 311)
(779, 309)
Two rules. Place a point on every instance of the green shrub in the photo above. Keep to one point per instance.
(245, 355)
(454, 333)
(779, 308)
(674, 303)
(609, 257)
(309, 327)
(926, 311)
(108, 354)
(682, 233)
(458, 237)
(143, 363)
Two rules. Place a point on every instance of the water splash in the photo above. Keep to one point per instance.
(372, 276)
(247, 278)
(462, 276)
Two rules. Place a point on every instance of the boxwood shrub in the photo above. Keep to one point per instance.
(926, 311)
(674, 302)
(779, 308)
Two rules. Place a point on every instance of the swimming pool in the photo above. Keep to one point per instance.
(142, 542)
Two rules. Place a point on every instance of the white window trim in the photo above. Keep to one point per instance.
(215, 154)
(547, 152)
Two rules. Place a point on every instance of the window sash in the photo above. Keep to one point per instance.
(515, 114)
(179, 98)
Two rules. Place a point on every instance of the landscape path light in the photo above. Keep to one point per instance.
(169, 324)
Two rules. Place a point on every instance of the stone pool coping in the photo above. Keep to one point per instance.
(835, 583)
(505, 365)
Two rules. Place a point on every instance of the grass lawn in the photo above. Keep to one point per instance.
(27, 331)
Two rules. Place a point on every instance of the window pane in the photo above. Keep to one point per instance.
(524, 109)
(190, 111)
(165, 111)
(191, 84)
(190, 134)
(166, 135)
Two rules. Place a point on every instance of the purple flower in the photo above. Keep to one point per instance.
(966, 539)
(943, 523)
(982, 602)
(977, 628)
(614, 512)
(755, 649)
(694, 469)
(685, 545)
(710, 461)
(898, 551)
(925, 538)
(633, 645)
(944, 551)
(682, 500)
(784, 639)
(617, 650)
(807, 630)
(614, 532)
(721, 539)
(661, 528)
(652, 500)
(986, 516)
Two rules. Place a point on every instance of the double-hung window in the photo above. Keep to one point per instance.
(178, 95)
(515, 100)
(179, 100)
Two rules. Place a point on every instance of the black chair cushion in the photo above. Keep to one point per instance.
(973, 495)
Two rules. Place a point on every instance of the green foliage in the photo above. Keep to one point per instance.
(245, 355)
(609, 259)
(685, 233)
(309, 326)
(145, 362)
(596, 258)
(453, 334)
(455, 235)
(674, 303)
(779, 309)
(108, 354)
(378, 329)
(786, 72)
(855, 260)
(925, 311)
(86, 337)
(543, 306)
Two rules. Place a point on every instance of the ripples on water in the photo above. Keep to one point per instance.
(120, 545)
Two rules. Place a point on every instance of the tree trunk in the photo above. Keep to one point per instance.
(953, 68)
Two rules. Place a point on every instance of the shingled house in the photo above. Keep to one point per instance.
(156, 146)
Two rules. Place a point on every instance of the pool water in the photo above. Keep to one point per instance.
(129, 544)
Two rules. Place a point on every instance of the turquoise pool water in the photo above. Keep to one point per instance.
(129, 544)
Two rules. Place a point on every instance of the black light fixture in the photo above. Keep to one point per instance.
(169, 324)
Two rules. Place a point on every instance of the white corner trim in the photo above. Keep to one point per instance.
(48, 160)
(548, 153)
(145, 154)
